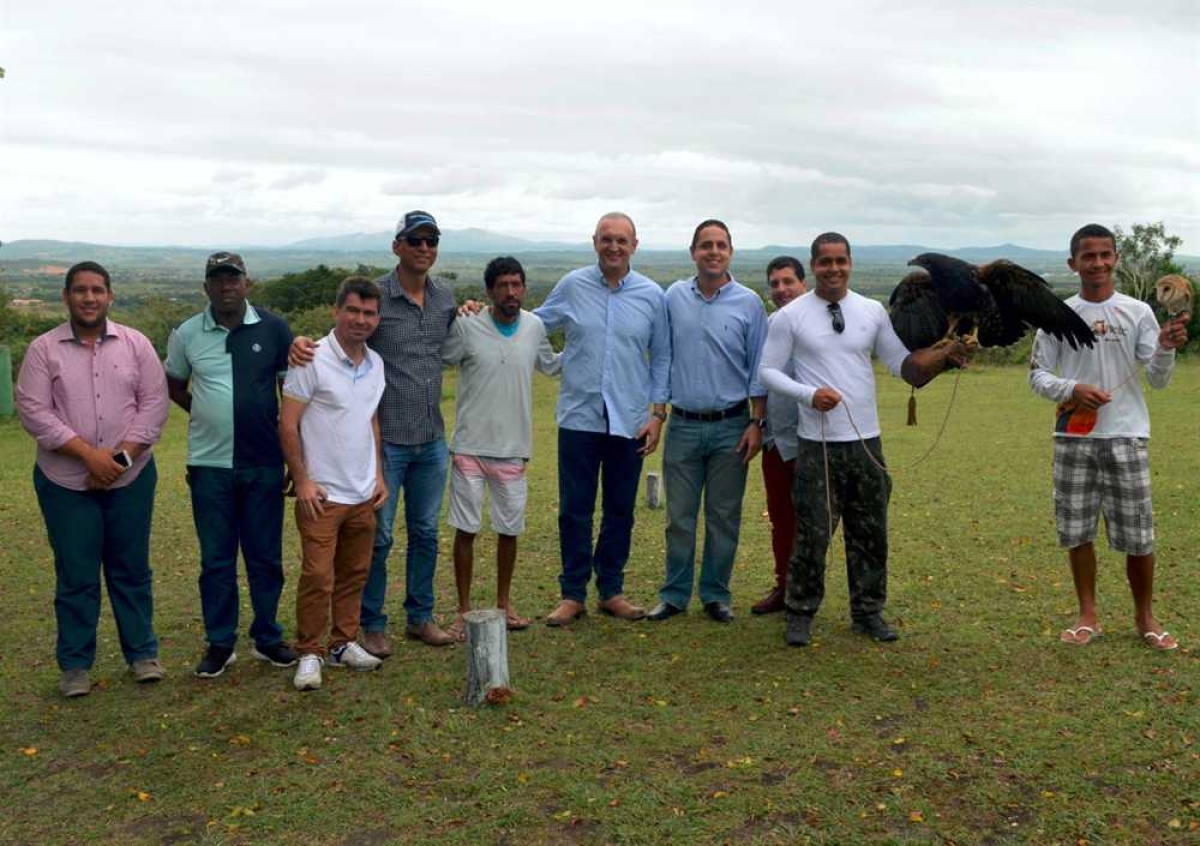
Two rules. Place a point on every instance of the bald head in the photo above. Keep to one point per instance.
(616, 216)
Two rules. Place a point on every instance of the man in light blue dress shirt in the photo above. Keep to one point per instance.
(718, 409)
(616, 365)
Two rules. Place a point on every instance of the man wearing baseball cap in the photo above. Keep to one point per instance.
(224, 367)
(416, 314)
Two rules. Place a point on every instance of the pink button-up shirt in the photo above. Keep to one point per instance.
(105, 393)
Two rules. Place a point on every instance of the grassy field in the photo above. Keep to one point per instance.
(977, 727)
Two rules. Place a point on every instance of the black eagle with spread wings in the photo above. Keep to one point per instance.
(988, 305)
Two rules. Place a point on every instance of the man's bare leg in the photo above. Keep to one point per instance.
(1083, 573)
(464, 568)
(506, 562)
(1139, 569)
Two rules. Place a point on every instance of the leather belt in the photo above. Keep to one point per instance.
(711, 416)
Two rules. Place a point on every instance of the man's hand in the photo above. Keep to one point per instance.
(1089, 396)
(469, 308)
(102, 467)
(381, 493)
(959, 354)
(311, 498)
(1173, 333)
(650, 432)
(301, 352)
(751, 443)
(826, 399)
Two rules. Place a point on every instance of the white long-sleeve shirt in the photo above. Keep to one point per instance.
(1126, 338)
(802, 333)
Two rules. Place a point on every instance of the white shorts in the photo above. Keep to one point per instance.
(510, 491)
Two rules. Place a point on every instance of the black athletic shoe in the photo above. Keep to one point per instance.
(278, 654)
(214, 662)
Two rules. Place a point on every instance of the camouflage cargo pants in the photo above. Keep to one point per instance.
(859, 494)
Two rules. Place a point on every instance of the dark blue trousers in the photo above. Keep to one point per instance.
(90, 531)
(587, 462)
(233, 508)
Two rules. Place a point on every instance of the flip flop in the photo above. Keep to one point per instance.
(457, 630)
(515, 622)
(1072, 636)
(1163, 642)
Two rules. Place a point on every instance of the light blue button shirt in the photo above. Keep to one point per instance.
(716, 345)
(617, 357)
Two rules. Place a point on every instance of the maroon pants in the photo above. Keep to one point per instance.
(777, 479)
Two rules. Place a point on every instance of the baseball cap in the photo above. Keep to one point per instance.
(222, 260)
(415, 220)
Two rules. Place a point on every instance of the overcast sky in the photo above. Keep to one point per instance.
(941, 123)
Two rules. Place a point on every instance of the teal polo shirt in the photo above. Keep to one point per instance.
(234, 377)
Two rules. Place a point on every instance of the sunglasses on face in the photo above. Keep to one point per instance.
(835, 317)
(418, 240)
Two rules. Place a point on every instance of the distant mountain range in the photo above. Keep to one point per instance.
(376, 246)
(35, 259)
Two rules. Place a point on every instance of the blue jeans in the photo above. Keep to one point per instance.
(232, 508)
(420, 471)
(699, 459)
(88, 531)
(581, 457)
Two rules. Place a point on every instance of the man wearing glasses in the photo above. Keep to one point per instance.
(828, 340)
(415, 317)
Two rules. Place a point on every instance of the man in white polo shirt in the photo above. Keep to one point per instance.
(496, 351)
(330, 436)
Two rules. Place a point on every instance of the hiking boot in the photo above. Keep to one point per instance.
(73, 683)
(147, 670)
(799, 630)
(875, 628)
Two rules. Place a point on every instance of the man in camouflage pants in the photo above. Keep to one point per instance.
(828, 337)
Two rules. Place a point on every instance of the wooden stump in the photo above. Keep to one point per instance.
(487, 657)
(653, 490)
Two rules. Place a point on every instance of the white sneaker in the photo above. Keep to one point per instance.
(308, 674)
(353, 656)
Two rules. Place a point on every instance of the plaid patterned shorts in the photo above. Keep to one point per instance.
(1103, 474)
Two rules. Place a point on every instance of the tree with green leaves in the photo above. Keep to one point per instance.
(1147, 252)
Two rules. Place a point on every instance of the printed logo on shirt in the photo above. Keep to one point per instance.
(1104, 329)
(256, 346)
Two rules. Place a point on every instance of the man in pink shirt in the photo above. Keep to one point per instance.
(93, 395)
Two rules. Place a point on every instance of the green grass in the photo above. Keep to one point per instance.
(976, 728)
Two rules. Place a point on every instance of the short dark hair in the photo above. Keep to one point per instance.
(502, 266)
(1092, 230)
(365, 288)
(704, 224)
(829, 238)
(782, 262)
(87, 267)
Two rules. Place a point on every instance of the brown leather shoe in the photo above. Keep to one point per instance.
(567, 612)
(621, 608)
(429, 633)
(770, 603)
(377, 643)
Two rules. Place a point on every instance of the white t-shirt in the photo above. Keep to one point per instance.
(493, 415)
(802, 333)
(1126, 337)
(340, 452)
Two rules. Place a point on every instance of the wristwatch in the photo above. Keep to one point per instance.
(660, 416)
(761, 422)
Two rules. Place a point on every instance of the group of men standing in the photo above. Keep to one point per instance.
(361, 428)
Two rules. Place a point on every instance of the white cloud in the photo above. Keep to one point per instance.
(933, 122)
